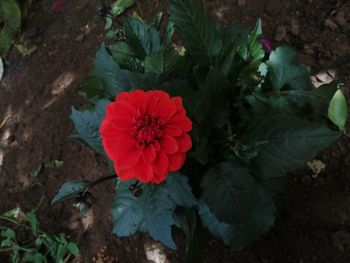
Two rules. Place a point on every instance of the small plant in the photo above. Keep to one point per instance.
(24, 241)
(202, 134)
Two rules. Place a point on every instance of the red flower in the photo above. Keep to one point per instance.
(146, 135)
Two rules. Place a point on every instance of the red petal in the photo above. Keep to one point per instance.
(143, 171)
(128, 157)
(108, 130)
(166, 110)
(161, 164)
(168, 144)
(148, 153)
(172, 130)
(176, 161)
(182, 122)
(184, 142)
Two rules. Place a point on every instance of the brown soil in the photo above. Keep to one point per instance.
(314, 214)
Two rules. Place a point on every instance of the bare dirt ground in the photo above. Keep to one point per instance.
(38, 91)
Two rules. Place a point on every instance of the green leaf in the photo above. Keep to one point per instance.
(152, 212)
(238, 200)
(143, 39)
(289, 142)
(33, 221)
(69, 189)
(55, 164)
(109, 72)
(285, 70)
(13, 213)
(180, 190)
(87, 125)
(215, 226)
(198, 32)
(6, 40)
(8, 233)
(338, 110)
(170, 29)
(118, 7)
(210, 104)
(10, 12)
(124, 55)
(161, 62)
(73, 248)
(37, 170)
(93, 88)
(322, 96)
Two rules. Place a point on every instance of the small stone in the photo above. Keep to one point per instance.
(295, 28)
(241, 2)
(340, 18)
(330, 24)
(80, 38)
(280, 33)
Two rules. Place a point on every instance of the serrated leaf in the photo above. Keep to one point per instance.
(93, 88)
(69, 189)
(210, 104)
(284, 69)
(151, 212)
(238, 200)
(198, 32)
(118, 7)
(161, 62)
(143, 39)
(338, 110)
(180, 190)
(87, 125)
(290, 142)
(215, 226)
(8, 233)
(124, 55)
(109, 72)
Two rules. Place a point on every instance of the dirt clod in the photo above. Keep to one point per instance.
(281, 33)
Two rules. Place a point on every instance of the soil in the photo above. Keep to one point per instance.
(38, 91)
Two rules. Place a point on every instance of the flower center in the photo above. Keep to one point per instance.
(148, 130)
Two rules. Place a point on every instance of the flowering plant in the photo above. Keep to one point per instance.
(252, 118)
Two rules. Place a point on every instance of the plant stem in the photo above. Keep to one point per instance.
(92, 184)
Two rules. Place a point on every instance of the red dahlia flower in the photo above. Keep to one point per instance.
(146, 135)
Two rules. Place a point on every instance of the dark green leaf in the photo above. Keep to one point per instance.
(153, 212)
(162, 62)
(120, 6)
(285, 70)
(210, 104)
(33, 221)
(179, 190)
(290, 142)
(6, 40)
(199, 33)
(93, 88)
(216, 227)
(338, 110)
(124, 55)
(87, 125)
(69, 189)
(237, 199)
(8, 233)
(73, 248)
(321, 98)
(143, 39)
(170, 29)
(10, 12)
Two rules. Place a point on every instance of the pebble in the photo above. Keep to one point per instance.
(340, 18)
(280, 33)
(295, 28)
(80, 38)
(330, 24)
